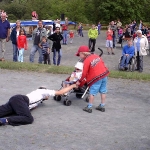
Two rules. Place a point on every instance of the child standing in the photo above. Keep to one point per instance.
(22, 44)
(71, 36)
(44, 45)
(109, 41)
(95, 75)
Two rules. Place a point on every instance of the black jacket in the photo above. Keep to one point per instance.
(56, 38)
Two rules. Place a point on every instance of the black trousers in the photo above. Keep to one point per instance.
(46, 58)
(139, 62)
(18, 107)
(92, 43)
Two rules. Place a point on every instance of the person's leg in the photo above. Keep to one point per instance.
(138, 60)
(140, 63)
(5, 110)
(107, 46)
(63, 37)
(59, 57)
(127, 60)
(93, 91)
(54, 56)
(122, 64)
(3, 46)
(32, 53)
(102, 91)
(66, 37)
(19, 104)
(48, 59)
(114, 38)
(90, 44)
(40, 55)
(94, 42)
(21, 54)
(44, 58)
(15, 53)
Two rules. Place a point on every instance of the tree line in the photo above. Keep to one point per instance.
(85, 11)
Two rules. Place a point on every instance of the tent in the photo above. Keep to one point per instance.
(35, 22)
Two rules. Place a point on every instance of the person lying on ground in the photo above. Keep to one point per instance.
(20, 105)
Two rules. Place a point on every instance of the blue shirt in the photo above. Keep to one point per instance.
(138, 44)
(45, 47)
(128, 50)
(4, 26)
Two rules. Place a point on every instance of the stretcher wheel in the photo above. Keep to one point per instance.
(58, 98)
(68, 102)
(78, 95)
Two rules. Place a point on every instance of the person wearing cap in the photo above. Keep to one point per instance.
(140, 44)
(75, 75)
(20, 105)
(95, 75)
(4, 33)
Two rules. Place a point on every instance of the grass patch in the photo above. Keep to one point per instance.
(67, 70)
(35, 67)
(130, 75)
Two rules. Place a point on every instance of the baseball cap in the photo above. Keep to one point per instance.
(82, 48)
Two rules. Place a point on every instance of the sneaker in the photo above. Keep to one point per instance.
(100, 108)
(113, 53)
(87, 109)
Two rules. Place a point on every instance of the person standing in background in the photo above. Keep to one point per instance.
(4, 33)
(37, 35)
(14, 35)
(22, 44)
(99, 28)
(92, 34)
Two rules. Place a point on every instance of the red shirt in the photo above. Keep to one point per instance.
(64, 27)
(94, 69)
(71, 34)
(22, 42)
(109, 35)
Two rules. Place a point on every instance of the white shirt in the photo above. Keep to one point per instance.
(38, 95)
(76, 76)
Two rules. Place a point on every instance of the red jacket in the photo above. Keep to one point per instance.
(94, 69)
(22, 42)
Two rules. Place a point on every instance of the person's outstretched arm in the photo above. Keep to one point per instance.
(65, 90)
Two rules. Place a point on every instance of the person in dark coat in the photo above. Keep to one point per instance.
(56, 48)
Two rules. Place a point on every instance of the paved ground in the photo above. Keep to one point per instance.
(124, 126)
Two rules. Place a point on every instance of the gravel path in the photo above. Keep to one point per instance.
(124, 126)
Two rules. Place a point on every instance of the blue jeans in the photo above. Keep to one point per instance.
(59, 56)
(34, 49)
(15, 52)
(114, 41)
(20, 57)
(65, 38)
(125, 61)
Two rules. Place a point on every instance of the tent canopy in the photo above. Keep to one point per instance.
(35, 22)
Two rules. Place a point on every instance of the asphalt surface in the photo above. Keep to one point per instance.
(124, 126)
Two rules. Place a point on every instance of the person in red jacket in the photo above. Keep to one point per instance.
(22, 44)
(95, 75)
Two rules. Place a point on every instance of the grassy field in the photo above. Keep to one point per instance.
(67, 70)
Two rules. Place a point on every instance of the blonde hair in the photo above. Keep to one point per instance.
(86, 53)
(18, 21)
